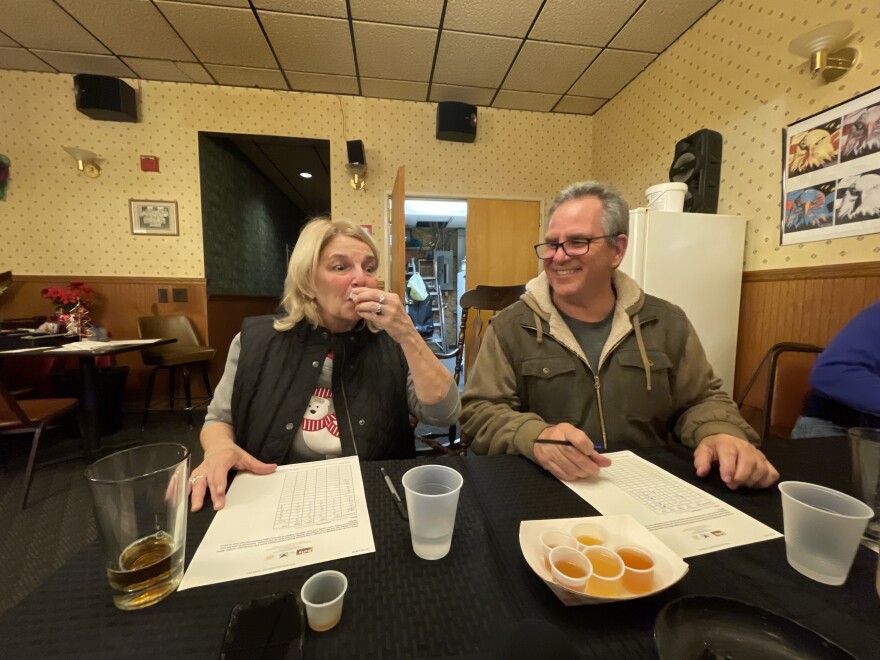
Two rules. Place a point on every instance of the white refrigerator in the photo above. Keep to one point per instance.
(693, 260)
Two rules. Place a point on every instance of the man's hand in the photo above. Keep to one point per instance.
(740, 463)
(579, 461)
(211, 473)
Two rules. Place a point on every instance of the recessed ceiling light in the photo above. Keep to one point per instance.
(306, 175)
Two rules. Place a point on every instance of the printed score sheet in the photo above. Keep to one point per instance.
(688, 520)
(299, 515)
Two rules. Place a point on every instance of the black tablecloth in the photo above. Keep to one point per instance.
(399, 606)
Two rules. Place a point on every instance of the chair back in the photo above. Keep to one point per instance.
(11, 413)
(484, 301)
(774, 396)
(176, 327)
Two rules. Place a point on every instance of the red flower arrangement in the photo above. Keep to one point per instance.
(76, 293)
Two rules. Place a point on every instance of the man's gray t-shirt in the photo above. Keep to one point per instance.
(590, 336)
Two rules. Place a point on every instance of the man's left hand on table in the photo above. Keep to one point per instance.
(740, 463)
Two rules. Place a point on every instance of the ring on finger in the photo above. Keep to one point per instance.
(378, 310)
(195, 478)
(381, 298)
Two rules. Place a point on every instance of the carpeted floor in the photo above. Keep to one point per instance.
(58, 521)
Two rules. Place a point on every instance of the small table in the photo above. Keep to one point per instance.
(88, 398)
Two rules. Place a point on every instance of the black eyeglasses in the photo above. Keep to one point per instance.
(573, 248)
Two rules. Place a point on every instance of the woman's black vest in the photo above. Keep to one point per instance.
(277, 375)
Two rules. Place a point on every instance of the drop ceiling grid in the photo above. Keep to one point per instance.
(506, 53)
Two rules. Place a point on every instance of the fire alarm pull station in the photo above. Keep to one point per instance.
(150, 163)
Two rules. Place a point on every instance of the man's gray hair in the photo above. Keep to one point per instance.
(615, 215)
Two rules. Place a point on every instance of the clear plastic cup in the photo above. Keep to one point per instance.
(588, 534)
(608, 569)
(638, 576)
(865, 452)
(552, 538)
(823, 528)
(431, 502)
(570, 568)
(322, 594)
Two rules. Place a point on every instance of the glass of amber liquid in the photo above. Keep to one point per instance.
(638, 577)
(140, 500)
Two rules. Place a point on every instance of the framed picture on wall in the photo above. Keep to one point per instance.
(831, 174)
(153, 218)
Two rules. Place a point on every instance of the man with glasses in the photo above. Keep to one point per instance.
(587, 358)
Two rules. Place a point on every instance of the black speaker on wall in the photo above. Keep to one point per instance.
(456, 122)
(697, 162)
(356, 155)
(105, 98)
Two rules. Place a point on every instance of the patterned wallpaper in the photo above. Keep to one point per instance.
(732, 72)
(55, 220)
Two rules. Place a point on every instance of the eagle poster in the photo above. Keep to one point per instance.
(831, 178)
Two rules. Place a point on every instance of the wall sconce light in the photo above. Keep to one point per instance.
(85, 161)
(822, 47)
(358, 173)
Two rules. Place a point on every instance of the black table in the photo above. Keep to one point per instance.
(399, 606)
(88, 399)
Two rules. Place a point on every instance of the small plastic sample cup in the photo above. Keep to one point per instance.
(322, 594)
(588, 534)
(638, 576)
(555, 539)
(570, 567)
(608, 570)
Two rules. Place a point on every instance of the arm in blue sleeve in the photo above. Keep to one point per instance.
(848, 370)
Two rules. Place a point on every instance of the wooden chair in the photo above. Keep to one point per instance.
(481, 299)
(185, 353)
(787, 376)
(30, 416)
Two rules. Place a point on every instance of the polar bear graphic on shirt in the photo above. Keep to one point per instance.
(319, 429)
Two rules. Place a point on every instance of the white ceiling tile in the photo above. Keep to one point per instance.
(424, 13)
(660, 22)
(191, 72)
(319, 82)
(546, 67)
(579, 105)
(247, 77)
(584, 22)
(525, 101)
(509, 18)
(129, 27)
(394, 89)
(21, 59)
(310, 43)
(54, 30)
(474, 60)
(394, 51)
(220, 35)
(100, 65)
(610, 73)
(472, 95)
(334, 8)
(6, 41)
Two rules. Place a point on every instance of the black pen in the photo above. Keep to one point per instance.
(553, 441)
(394, 494)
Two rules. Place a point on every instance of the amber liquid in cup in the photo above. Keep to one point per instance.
(638, 577)
(607, 571)
(586, 539)
(570, 569)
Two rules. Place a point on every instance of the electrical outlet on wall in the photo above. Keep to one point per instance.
(179, 295)
(163, 295)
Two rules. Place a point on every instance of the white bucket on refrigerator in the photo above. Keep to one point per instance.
(666, 196)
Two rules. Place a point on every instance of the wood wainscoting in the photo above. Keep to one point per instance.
(225, 314)
(807, 305)
(117, 304)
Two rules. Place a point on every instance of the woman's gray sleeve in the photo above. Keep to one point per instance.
(220, 408)
(443, 413)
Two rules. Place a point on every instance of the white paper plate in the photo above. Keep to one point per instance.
(669, 568)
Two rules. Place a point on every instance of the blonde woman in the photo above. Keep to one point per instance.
(337, 374)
